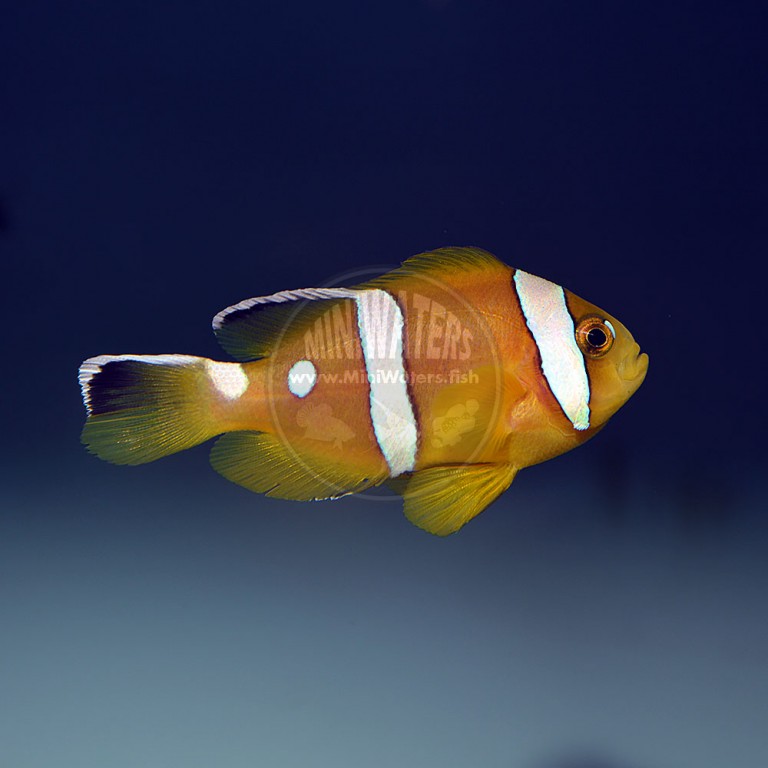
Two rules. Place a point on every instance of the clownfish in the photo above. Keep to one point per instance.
(443, 377)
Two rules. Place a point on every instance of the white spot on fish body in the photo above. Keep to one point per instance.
(302, 378)
(229, 379)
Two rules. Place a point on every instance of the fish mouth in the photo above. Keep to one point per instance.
(635, 366)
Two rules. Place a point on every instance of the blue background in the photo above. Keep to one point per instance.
(160, 161)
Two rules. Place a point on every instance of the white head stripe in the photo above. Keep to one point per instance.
(550, 323)
(302, 378)
(380, 323)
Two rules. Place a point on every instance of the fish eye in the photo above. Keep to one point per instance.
(594, 336)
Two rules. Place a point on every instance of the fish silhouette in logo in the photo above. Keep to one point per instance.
(459, 419)
(320, 424)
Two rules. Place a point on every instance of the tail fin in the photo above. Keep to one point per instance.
(143, 407)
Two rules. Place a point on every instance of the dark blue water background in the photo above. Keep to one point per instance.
(161, 161)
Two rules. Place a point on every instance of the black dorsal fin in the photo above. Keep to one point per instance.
(250, 329)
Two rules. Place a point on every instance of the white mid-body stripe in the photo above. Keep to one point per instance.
(562, 362)
(380, 323)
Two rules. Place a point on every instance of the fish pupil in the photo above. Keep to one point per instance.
(596, 337)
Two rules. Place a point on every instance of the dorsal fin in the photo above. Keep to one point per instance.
(250, 329)
(441, 262)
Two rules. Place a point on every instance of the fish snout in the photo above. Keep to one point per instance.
(634, 366)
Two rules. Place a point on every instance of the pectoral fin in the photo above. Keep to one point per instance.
(443, 499)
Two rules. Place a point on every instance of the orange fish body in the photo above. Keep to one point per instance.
(444, 377)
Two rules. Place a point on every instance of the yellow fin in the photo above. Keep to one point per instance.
(465, 258)
(262, 463)
(143, 407)
(443, 499)
(435, 264)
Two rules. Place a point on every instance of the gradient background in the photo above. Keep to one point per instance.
(161, 161)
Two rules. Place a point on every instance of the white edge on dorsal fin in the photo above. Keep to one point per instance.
(283, 296)
(93, 365)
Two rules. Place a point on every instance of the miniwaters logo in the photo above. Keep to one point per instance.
(386, 371)
(434, 332)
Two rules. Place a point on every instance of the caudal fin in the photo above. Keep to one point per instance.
(143, 407)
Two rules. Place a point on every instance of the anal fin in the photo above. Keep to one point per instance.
(441, 500)
(263, 463)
